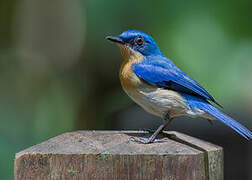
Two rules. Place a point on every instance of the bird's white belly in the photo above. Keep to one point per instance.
(159, 102)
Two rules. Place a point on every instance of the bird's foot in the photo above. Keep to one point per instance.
(152, 131)
(148, 130)
(142, 140)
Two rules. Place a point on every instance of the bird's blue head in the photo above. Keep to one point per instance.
(137, 41)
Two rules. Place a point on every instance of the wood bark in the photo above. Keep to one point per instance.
(114, 155)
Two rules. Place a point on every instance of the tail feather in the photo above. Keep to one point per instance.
(213, 111)
(199, 103)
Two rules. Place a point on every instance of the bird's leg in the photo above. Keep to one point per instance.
(152, 138)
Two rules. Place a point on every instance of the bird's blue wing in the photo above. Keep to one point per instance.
(167, 75)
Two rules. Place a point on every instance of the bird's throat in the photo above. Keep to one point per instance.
(128, 54)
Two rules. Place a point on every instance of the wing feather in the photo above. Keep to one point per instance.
(170, 78)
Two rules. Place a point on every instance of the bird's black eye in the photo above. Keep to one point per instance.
(139, 40)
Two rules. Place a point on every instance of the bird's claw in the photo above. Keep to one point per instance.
(142, 140)
(148, 130)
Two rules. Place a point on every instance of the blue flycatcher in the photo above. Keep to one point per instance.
(155, 83)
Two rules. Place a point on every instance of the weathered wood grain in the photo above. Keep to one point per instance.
(113, 155)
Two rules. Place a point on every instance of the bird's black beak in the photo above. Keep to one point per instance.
(115, 39)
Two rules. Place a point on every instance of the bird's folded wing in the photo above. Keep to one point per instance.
(170, 78)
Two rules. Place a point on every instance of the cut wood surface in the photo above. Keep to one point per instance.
(114, 155)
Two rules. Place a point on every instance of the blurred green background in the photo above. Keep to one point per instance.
(59, 74)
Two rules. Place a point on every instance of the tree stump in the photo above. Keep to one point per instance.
(113, 155)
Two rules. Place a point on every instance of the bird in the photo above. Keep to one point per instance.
(155, 83)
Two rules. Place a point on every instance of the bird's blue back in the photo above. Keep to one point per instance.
(160, 71)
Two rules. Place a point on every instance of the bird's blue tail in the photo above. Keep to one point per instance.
(213, 111)
(217, 114)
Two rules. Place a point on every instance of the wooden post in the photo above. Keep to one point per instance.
(113, 155)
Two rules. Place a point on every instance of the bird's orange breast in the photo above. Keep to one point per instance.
(128, 78)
